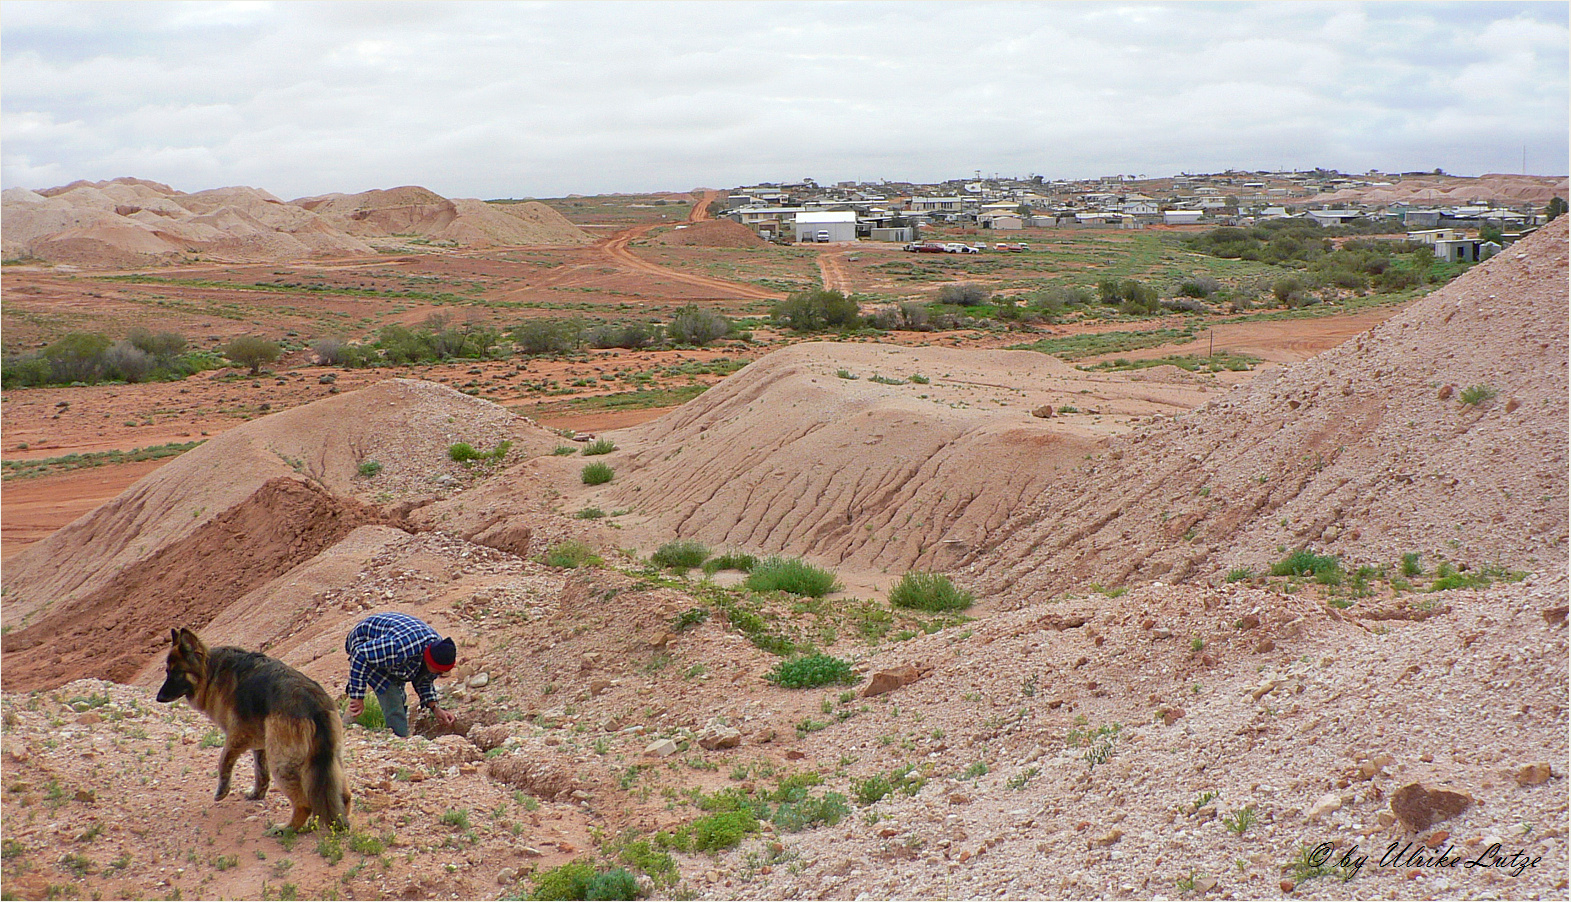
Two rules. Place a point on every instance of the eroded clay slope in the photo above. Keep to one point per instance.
(807, 452)
(1442, 431)
(225, 518)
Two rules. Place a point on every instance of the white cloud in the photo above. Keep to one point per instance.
(517, 99)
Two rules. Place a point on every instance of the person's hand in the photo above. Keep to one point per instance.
(445, 718)
(356, 707)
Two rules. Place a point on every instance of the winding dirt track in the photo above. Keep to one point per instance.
(616, 248)
(832, 268)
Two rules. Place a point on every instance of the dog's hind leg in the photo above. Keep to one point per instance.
(294, 788)
(264, 777)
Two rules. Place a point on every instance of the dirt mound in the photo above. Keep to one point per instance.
(828, 449)
(133, 222)
(1447, 190)
(1359, 452)
(712, 233)
(112, 632)
(415, 211)
(403, 426)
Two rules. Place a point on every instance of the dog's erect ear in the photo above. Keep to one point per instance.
(188, 642)
(174, 636)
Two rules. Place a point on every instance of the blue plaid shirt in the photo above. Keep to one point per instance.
(385, 649)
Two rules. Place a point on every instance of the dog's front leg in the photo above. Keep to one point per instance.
(264, 777)
(226, 767)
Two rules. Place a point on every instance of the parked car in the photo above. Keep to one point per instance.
(823, 235)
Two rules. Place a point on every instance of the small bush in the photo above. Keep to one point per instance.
(251, 351)
(689, 619)
(811, 311)
(929, 592)
(683, 554)
(456, 817)
(571, 555)
(1240, 574)
(731, 560)
(597, 474)
(618, 883)
(599, 446)
(1326, 569)
(1474, 395)
(827, 811)
(590, 513)
(722, 831)
(1410, 564)
(569, 881)
(810, 671)
(369, 468)
(963, 294)
(462, 452)
(695, 326)
(778, 574)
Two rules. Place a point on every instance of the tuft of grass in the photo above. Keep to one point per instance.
(929, 592)
(564, 451)
(1240, 574)
(689, 618)
(1411, 565)
(456, 817)
(570, 555)
(1326, 569)
(681, 555)
(597, 474)
(1241, 820)
(811, 671)
(590, 513)
(1474, 395)
(792, 575)
(369, 468)
(599, 446)
(731, 560)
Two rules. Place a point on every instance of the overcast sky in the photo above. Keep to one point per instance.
(545, 99)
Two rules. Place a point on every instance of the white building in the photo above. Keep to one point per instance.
(828, 225)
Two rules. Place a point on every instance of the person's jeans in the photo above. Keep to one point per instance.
(394, 709)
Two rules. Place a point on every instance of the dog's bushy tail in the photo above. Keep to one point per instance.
(324, 771)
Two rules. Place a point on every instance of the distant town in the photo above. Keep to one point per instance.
(1462, 228)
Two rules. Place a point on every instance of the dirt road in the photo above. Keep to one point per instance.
(616, 248)
(832, 267)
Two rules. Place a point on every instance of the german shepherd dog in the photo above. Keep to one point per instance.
(286, 718)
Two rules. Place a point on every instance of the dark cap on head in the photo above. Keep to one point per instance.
(440, 656)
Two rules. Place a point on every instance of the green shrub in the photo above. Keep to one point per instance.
(811, 671)
(618, 883)
(251, 351)
(1477, 394)
(599, 446)
(929, 592)
(597, 474)
(731, 560)
(689, 618)
(590, 513)
(456, 817)
(569, 881)
(1411, 565)
(1240, 574)
(810, 311)
(570, 555)
(795, 816)
(695, 326)
(682, 555)
(369, 468)
(548, 336)
(632, 335)
(462, 452)
(723, 830)
(964, 294)
(872, 789)
(779, 574)
(1326, 569)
